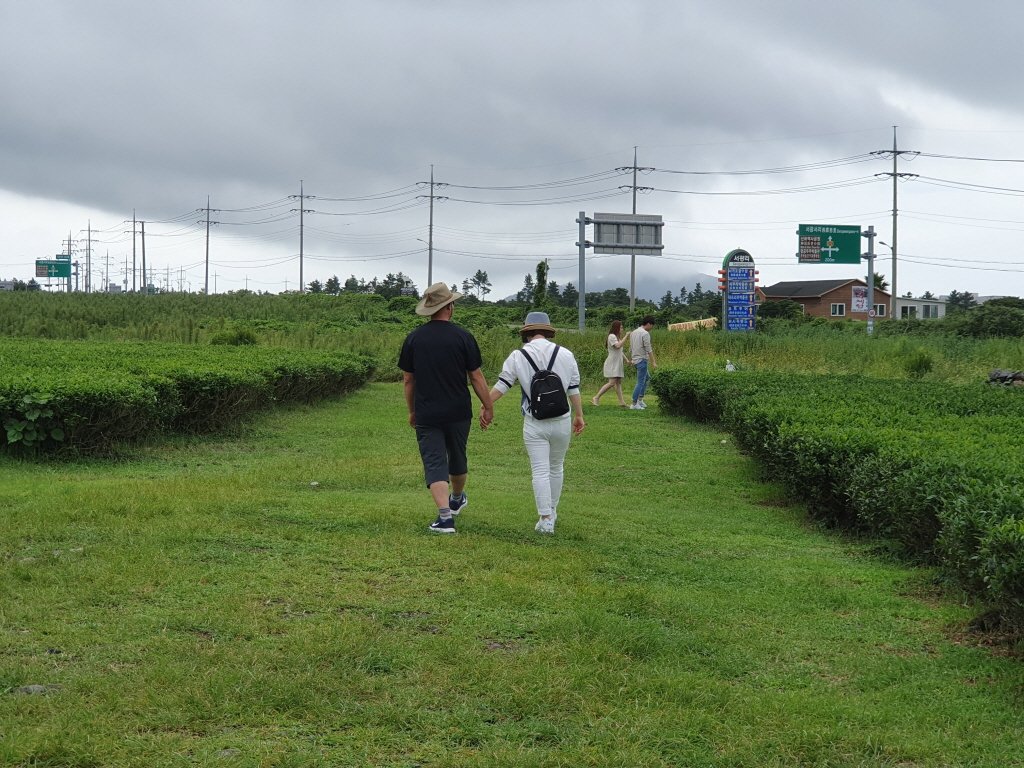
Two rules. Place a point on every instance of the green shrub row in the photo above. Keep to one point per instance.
(934, 467)
(92, 397)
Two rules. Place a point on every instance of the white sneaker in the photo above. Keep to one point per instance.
(545, 526)
(641, 405)
(636, 407)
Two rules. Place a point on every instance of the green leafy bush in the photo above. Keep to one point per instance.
(235, 337)
(94, 396)
(935, 468)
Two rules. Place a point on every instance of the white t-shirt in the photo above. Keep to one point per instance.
(516, 368)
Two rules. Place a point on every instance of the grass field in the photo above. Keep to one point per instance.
(203, 603)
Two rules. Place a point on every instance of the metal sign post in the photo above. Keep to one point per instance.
(581, 302)
(870, 256)
(616, 233)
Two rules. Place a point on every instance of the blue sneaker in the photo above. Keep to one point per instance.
(443, 526)
(456, 505)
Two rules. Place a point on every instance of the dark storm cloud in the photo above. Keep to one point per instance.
(152, 106)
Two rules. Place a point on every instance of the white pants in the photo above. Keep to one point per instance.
(546, 443)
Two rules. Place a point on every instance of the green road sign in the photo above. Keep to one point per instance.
(828, 244)
(49, 268)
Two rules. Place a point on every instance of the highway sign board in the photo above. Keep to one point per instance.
(828, 244)
(52, 268)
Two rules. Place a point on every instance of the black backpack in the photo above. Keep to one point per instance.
(547, 395)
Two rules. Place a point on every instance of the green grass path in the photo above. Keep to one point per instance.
(204, 604)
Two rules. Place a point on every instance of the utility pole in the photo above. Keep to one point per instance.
(632, 258)
(70, 251)
(430, 227)
(302, 209)
(134, 232)
(88, 256)
(145, 284)
(207, 222)
(896, 176)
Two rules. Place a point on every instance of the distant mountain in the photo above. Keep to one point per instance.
(652, 287)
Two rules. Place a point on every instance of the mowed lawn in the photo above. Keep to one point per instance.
(272, 598)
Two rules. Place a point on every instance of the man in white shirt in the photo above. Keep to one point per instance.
(547, 440)
(641, 354)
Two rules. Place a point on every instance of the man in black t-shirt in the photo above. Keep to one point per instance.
(436, 360)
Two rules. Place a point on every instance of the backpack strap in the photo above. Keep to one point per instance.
(551, 362)
(530, 360)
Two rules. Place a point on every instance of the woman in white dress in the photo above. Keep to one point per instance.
(613, 364)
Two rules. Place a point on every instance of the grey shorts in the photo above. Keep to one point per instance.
(443, 450)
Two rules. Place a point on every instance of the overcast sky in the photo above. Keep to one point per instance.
(755, 116)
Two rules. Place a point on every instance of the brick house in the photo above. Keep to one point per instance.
(845, 298)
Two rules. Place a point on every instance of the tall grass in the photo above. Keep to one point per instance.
(376, 326)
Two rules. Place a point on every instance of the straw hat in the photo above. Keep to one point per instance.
(437, 297)
(538, 321)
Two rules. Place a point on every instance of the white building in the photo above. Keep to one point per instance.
(920, 309)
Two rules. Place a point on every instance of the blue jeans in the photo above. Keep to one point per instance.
(641, 381)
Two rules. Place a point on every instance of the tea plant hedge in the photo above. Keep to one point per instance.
(937, 468)
(95, 396)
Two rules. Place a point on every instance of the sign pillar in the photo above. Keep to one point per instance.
(870, 256)
(581, 302)
(738, 280)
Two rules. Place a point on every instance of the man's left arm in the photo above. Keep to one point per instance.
(409, 386)
(479, 383)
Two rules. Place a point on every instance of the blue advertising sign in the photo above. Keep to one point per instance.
(739, 324)
(739, 298)
(738, 282)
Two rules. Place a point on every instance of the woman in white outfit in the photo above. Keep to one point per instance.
(547, 440)
(614, 364)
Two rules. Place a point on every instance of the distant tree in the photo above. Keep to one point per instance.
(394, 285)
(614, 297)
(880, 282)
(540, 284)
(908, 295)
(1005, 301)
(960, 301)
(683, 295)
(332, 286)
(554, 293)
(352, 285)
(992, 321)
(570, 296)
(667, 302)
(481, 284)
(785, 308)
(927, 295)
(316, 287)
(696, 295)
(466, 285)
(525, 294)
